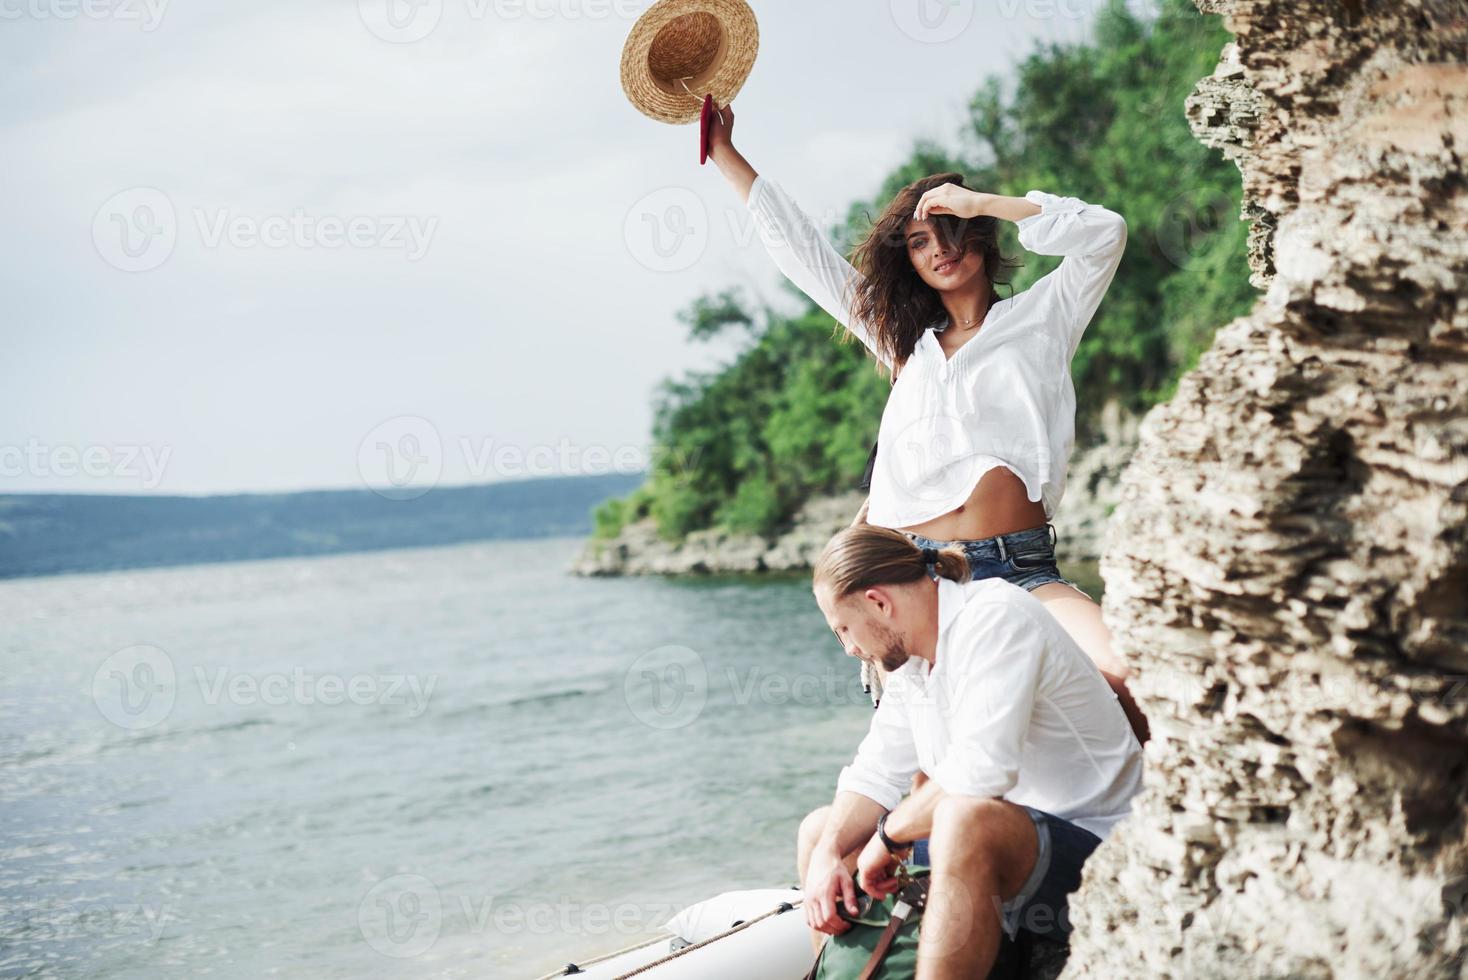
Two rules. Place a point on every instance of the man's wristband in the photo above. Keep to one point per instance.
(894, 847)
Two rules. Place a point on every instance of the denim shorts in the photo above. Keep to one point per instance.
(1043, 903)
(1026, 558)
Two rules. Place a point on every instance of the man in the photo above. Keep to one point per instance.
(1028, 755)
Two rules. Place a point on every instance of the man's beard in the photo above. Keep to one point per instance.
(894, 652)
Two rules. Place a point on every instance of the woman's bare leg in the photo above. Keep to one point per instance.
(1081, 618)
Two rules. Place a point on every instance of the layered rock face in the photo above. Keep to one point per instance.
(1288, 568)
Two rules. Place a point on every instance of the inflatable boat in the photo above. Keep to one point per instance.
(733, 936)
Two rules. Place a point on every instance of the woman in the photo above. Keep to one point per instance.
(977, 431)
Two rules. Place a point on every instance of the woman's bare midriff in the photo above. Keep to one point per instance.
(998, 504)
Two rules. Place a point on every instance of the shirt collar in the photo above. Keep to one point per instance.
(951, 598)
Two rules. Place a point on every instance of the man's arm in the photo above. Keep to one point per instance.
(913, 818)
(852, 823)
(873, 783)
(911, 821)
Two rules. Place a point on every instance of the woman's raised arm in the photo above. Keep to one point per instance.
(1091, 238)
(792, 239)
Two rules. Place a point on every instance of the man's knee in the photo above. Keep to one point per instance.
(813, 824)
(994, 833)
(977, 816)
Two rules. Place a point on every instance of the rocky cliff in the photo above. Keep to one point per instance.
(1288, 568)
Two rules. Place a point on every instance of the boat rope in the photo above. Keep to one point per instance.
(575, 968)
(737, 927)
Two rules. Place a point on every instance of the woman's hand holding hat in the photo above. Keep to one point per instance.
(721, 129)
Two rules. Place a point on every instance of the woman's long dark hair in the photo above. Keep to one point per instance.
(893, 298)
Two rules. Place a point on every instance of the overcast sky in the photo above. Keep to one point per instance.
(273, 246)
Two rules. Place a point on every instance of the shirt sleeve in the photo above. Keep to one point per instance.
(1092, 240)
(886, 760)
(994, 673)
(807, 259)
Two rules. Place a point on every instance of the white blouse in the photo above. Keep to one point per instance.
(1005, 397)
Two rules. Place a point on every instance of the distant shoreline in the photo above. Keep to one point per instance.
(60, 533)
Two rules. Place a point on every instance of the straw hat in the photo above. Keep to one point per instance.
(682, 50)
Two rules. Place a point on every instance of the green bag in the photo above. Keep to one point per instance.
(882, 942)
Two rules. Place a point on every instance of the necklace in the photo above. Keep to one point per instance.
(967, 323)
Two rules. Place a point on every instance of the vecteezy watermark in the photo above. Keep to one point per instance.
(121, 462)
(146, 13)
(1190, 226)
(828, 687)
(412, 234)
(666, 688)
(667, 230)
(403, 457)
(940, 456)
(669, 687)
(136, 230)
(936, 21)
(300, 687)
(406, 21)
(932, 21)
(402, 916)
(57, 921)
(400, 21)
(137, 687)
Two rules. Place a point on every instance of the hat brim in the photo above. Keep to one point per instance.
(679, 51)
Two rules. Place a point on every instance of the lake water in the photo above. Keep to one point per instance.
(445, 762)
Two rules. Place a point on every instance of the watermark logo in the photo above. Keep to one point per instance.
(405, 457)
(666, 688)
(1076, 10)
(932, 21)
(935, 457)
(400, 21)
(667, 230)
(147, 13)
(401, 916)
(1188, 229)
(145, 464)
(301, 687)
(58, 921)
(135, 687)
(410, 234)
(402, 458)
(135, 230)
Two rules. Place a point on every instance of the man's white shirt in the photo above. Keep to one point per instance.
(1012, 708)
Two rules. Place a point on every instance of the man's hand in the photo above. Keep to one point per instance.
(876, 869)
(827, 883)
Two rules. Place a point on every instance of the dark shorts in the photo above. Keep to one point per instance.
(1042, 905)
(1026, 558)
